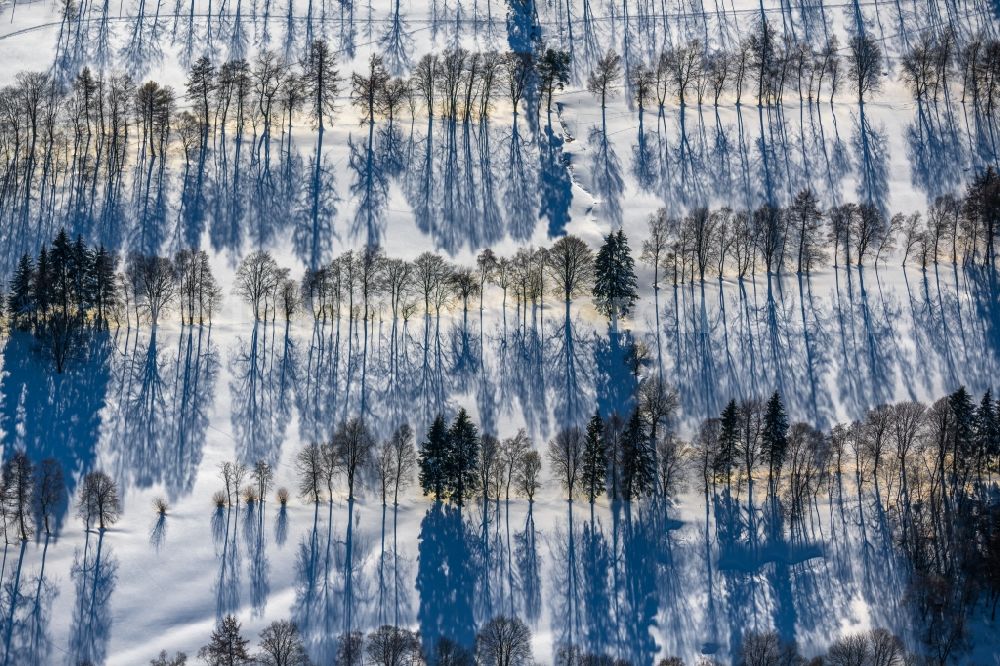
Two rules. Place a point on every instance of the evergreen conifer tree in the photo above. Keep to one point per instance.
(987, 435)
(729, 438)
(41, 287)
(433, 459)
(61, 267)
(595, 459)
(963, 427)
(103, 286)
(638, 464)
(21, 302)
(463, 456)
(774, 439)
(615, 285)
(81, 270)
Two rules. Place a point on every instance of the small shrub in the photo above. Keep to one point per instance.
(219, 499)
(160, 505)
(283, 496)
(249, 495)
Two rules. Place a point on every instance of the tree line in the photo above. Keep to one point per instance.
(506, 641)
(33, 497)
(625, 458)
(803, 236)
(503, 641)
(69, 150)
(71, 288)
(931, 466)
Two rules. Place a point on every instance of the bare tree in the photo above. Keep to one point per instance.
(431, 271)
(848, 650)
(320, 82)
(352, 449)
(518, 68)
(672, 459)
(913, 234)
(309, 464)
(384, 465)
(350, 649)
(394, 460)
(512, 450)
(281, 645)
(684, 64)
(198, 292)
(489, 465)
(16, 489)
(606, 77)
(807, 459)
(654, 248)
(263, 478)
(566, 457)
(396, 280)
(570, 262)
(405, 459)
(98, 499)
(289, 298)
(49, 494)
(424, 79)
(466, 285)
(868, 228)
(642, 80)
(526, 475)
(885, 649)
(504, 641)
(760, 649)
(153, 285)
(806, 219)
(392, 646)
(257, 277)
(865, 63)
(232, 474)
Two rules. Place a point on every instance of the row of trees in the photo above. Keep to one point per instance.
(802, 235)
(70, 288)
(704, 242)
(624, 458)
(890, 450)
(454, 462)
(932, 467)
(34, 496)
(569, 268)
(506, 641)
(938, 60)
(354, 454)
(503, 641)
(764, 64)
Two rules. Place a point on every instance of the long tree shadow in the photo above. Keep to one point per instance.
(446, 583)
(95, 575)
(51, 415)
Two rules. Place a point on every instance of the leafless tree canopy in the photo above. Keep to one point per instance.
(504, 641)
(98, 500)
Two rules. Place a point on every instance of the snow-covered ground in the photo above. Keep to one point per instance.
(161, 415)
